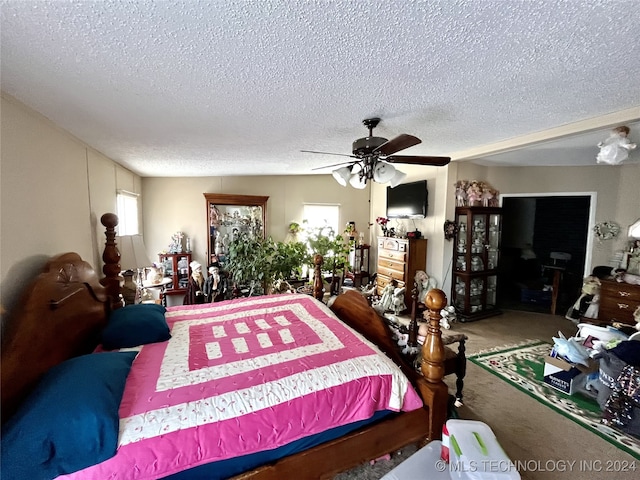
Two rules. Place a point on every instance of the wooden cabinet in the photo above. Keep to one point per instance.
(618, 301)
(399, 259)
(177, 268)
(359, 265)
(229, 215)
(475, 262)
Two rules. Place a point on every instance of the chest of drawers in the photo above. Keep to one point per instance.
(399, 259)
(618, 301)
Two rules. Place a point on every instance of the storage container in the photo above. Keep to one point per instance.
(475, 454)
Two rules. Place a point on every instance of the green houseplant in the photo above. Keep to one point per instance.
(259, 262)
(249, 262)
(333, 247)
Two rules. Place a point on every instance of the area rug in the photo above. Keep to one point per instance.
(522, 366)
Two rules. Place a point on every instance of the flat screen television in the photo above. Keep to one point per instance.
(408, 200)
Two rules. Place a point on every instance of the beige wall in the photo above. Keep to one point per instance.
(431, 227)
(178, 204)
(615, 188)
(54, 189)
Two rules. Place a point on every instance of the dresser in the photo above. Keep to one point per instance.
(399, 259)
(618, 301)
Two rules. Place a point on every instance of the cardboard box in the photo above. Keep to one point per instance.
(567, 377)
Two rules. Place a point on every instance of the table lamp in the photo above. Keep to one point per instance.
(133, 261)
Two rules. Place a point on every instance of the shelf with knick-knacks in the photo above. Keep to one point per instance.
(229, 216)
(476, 256)
(176, 267)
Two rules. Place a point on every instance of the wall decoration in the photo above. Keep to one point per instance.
(450, 229)
(606, 230)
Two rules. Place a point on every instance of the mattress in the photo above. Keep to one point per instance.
(244, 382)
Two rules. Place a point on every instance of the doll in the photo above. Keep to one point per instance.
(424, 283)
(213, 284)
(387, 295)
(195, 287)
(588, 295)
(615, 149)
(397, 301)
(487, 197)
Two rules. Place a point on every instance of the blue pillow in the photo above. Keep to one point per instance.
(135, 325)
(70, 421)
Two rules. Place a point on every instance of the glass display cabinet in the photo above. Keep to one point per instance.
(359, 264)
(176, 267)
(475, 257)
(229, 215)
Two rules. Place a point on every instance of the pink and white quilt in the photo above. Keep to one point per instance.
(242, 376)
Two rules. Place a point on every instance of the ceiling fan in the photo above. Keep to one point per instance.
(374, 156)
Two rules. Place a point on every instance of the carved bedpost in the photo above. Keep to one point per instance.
(432, 350)
(111, 258)
(318, 286)
(413, 324)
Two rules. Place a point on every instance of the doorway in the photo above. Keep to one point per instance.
(534, 226)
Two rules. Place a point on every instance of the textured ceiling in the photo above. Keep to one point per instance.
(235, 87)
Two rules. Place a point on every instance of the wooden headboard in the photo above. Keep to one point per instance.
(59, 316)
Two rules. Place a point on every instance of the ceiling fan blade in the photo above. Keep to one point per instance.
(396, 144)
(334, 165)
(418, 160)
(328, 153)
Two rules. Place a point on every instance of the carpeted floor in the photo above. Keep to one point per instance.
(522, 365)
(546, 445)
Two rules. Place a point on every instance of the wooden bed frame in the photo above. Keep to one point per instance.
(62, 313)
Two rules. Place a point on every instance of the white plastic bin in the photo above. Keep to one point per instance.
(592, 333)
(475, 454)
(425, 463)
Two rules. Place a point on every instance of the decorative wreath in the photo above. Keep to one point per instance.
(606, 230)
(450, 229)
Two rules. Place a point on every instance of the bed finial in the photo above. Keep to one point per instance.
(432, 350)
(318, 285)
(111, 259)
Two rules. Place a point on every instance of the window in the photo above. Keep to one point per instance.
(127, 213)
(321, 215)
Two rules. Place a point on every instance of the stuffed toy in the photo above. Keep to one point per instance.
(448, 315)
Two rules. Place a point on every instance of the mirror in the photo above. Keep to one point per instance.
(227, 216)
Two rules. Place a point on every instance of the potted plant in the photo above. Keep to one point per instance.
(334, 249)
(287, 260)
(258, 263)
(250, 262)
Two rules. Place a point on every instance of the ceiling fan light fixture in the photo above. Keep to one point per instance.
(397, 179)
(368, 165)
(358, 182)
(342, 175)
(383, 172)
